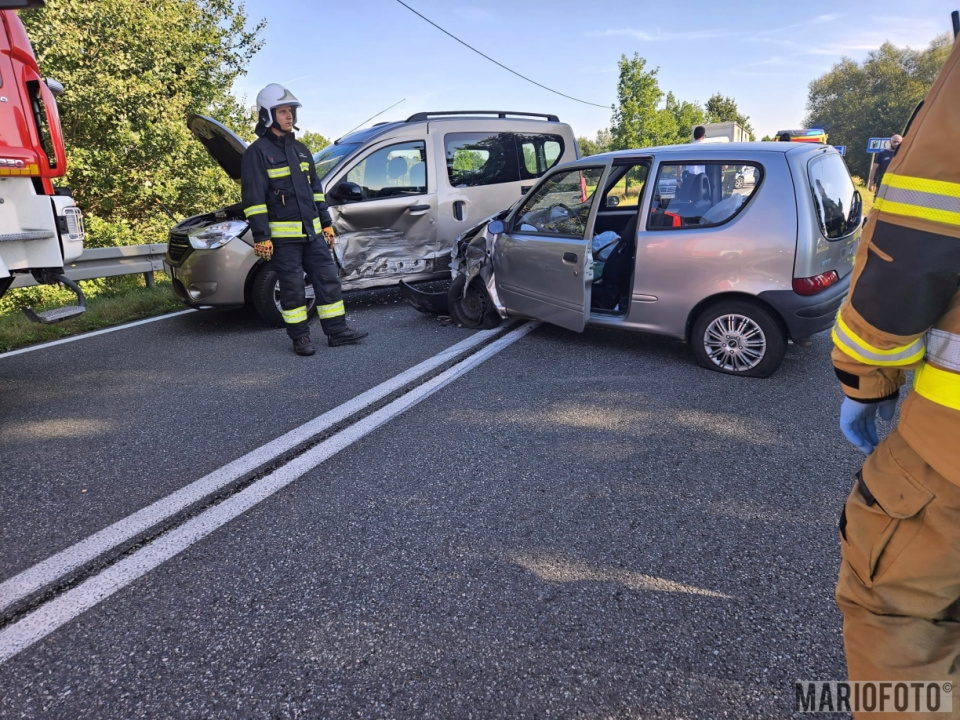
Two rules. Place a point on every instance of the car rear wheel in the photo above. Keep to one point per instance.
(738, 337)
(473, 309)
(738, 182)
(265, 294)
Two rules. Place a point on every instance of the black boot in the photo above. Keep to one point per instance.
(303, 346)
(350, 336)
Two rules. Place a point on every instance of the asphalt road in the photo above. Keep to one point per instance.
(582, 526)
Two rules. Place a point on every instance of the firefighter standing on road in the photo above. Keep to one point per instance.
(284, 203)
(899, 584)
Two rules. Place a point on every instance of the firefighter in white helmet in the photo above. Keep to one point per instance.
(284, 203)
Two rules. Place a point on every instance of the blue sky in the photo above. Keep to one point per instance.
(350, 59)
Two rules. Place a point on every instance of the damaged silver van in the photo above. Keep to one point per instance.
(399, 193)
(670, 240)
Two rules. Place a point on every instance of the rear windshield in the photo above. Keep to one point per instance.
(331, 156)
(836, 200)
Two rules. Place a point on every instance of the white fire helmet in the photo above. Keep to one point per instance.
(269, 99)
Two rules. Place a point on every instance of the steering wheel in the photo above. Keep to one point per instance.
(571, 215)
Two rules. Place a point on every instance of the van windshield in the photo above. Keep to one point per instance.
(331, 156)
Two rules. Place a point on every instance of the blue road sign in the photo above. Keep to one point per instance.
(842, 149)
(875, 145)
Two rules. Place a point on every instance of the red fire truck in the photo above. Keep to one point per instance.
(41, 228)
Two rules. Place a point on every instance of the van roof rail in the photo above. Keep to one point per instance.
(502, 114)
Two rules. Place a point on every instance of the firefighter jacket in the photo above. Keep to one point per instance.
(903, 309)
(281, 193)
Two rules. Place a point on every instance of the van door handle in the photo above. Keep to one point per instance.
(569, 257)
(418, 208)
(458, 209)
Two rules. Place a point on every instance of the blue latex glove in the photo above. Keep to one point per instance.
(858, 421)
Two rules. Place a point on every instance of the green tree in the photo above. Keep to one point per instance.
(313, 140)
(133, 70)
(854, 102)
(594, 147)
(687, 116)
(724, 109)
(638, 121)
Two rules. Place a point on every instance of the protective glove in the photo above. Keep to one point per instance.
(264, 249)
(331, 237)
(858, 421)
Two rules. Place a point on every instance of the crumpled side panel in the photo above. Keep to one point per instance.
(375, 253)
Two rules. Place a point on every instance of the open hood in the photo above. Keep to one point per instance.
(222, 143)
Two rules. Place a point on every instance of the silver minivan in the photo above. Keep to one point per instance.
(668, 240)
(399, 193)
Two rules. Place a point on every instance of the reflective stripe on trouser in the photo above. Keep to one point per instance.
(291, 260)
(934, 200)
(899, 582)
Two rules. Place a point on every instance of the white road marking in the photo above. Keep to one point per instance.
(48, 571)
(61, 610)
(84, 336)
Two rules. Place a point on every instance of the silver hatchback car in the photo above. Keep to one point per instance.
(666, 240)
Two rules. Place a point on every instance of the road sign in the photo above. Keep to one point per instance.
(842, 149)
(875, 145)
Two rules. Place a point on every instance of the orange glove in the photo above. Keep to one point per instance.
(264, 249)
(330, 236)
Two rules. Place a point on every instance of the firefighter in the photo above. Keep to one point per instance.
(284, 203)
(899, 581)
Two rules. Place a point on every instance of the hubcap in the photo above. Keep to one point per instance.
(734, 343)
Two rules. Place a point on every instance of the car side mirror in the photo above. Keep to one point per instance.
(348, 191)
(612, 200)
(495, 227)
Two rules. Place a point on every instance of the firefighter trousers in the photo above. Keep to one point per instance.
(899, 583)
(292, 260)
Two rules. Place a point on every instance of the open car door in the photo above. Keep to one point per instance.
(543, 263)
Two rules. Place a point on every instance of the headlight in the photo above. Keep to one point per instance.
(215, 236)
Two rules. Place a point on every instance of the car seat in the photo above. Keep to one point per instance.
(418, 175)
(396, 169)
(613, 290)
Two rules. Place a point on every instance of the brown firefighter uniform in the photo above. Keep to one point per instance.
(899, 584)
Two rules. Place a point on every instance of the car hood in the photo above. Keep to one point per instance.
(222, 143)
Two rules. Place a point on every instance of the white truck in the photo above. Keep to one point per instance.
(725, 132)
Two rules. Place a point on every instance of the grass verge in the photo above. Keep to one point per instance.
(134, 303)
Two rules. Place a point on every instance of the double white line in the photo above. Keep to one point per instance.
(60, 610)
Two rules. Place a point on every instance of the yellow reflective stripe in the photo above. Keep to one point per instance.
(278, 172)
(297, 315)
(934, 187)
(286, 229)
(924, 213)
(862, 351)
(304, 166)
(255, 210)
(331, 311)
(317, 226)
(939, 386)
(319, 197)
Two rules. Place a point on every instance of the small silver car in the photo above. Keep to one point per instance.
(666, 240)
(399, 194)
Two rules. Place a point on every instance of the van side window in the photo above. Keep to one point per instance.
(837, 202)
(475, 159)
(391, 171)
(701, 194)
(538, 154)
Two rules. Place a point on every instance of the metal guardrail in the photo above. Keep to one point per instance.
(110, 262)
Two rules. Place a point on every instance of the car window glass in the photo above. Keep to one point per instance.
(331, 156)
(625, 192)
(561, 205)
(836, 200)
(538, 153)
(475, 159)
(701, 194)
(391, 171)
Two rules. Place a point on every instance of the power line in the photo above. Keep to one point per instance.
(371, 118)
(555, 92)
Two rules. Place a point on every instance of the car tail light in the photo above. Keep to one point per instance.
(815, 284)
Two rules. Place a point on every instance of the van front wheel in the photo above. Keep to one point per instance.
(739, 338)
(265, 295)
